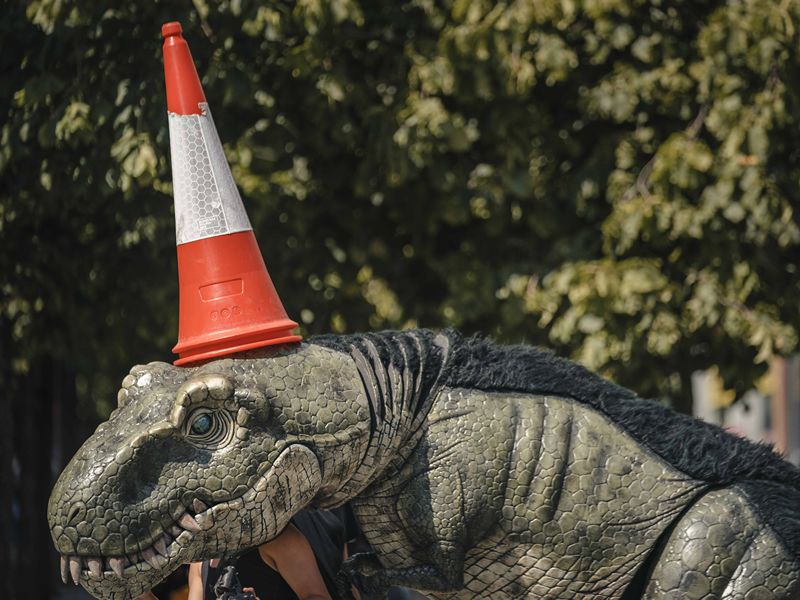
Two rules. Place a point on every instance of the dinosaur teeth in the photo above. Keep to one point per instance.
(175, 530)
(205, 520)
(199, 506)
(75, 568)
(161, 546)
(140, 562)
(117, 565)
(156, 556)
(149, 556)
(95, 566)
(64, 569)
(136, 560)
(187, 522)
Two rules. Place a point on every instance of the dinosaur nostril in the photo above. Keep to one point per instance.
(76, 513)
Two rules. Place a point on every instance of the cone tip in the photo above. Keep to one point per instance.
(170, 29)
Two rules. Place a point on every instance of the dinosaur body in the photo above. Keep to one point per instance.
(474, 470)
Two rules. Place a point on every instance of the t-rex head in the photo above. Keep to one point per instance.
(206, 461)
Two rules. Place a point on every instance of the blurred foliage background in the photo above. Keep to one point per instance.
(614, 179)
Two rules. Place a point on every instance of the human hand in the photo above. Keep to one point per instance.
(252, 591)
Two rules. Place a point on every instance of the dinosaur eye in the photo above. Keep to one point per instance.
(210, 429)
(201, 425)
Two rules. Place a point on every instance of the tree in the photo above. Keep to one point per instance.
(615, 179)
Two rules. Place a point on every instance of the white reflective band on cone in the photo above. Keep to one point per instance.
(207, 202)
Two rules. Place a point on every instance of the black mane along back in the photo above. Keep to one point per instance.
(702, 451)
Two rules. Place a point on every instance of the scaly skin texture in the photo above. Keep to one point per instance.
(462, 492)
(719, 550)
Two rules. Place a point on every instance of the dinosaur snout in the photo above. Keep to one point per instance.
(101, 542)
(64, 521)
(78, 526)
(76, 514)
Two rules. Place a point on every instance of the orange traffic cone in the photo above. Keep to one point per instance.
(227, 300)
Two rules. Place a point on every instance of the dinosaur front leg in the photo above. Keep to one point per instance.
(430, 505)
(446, 574)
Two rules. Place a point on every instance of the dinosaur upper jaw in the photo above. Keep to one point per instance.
(203, 532)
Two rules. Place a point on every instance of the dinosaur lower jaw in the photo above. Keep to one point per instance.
(140, 576)
(157, 555)
(202, 534)
(126, 576)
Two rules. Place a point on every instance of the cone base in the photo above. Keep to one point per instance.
(241, 342)
(227, 301)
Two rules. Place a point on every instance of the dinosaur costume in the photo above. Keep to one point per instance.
(475, 471)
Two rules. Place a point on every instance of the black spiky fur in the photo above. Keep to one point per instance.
(700, 450)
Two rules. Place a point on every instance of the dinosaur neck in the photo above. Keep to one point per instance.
(401, 374)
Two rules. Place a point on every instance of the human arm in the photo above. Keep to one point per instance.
(196, 581)
(291, 555)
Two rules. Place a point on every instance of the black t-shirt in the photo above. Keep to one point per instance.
(325, 532)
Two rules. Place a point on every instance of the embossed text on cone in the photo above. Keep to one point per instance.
(228, 302)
